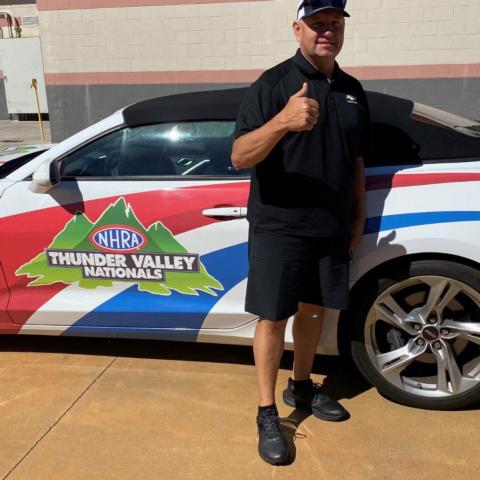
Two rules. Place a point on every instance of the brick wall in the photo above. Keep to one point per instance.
(253, 35)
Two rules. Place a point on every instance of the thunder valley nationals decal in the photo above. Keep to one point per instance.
(117, 247)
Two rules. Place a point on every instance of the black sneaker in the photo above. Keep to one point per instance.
(272, 446)
(310, 396)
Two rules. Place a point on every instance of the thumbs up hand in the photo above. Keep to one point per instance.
(301, 113)
(303, 92)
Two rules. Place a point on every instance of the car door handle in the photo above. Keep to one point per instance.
(225, 212)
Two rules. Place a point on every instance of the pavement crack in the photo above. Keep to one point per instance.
(84, 391)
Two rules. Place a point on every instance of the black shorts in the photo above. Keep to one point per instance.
(286, 269)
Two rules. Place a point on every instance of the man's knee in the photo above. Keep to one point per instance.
(272, 326)
(310, 310)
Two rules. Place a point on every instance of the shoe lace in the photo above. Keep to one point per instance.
(316, 391)
(317, 387)
(269, 426)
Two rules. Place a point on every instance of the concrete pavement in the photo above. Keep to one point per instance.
(76, 409)
(14, 132)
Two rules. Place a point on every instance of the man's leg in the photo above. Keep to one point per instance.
(268, 345)
(301, 392)
(306, 331)
(272, 296)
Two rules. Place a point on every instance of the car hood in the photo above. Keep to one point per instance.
(10, 153)
(4, 184)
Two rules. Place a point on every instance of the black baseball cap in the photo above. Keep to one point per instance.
(309, 7)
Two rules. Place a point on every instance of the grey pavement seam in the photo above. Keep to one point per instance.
(85, 390)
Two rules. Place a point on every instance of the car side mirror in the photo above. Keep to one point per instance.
(45, 177)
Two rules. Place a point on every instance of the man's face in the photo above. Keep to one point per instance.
(321, 35)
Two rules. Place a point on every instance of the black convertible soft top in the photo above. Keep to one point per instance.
(208, 105)
(224, 104)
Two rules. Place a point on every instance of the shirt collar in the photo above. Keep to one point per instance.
(309, 70)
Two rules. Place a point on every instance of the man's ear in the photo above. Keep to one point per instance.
(297, 29)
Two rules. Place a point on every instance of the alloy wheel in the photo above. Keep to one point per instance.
(423, 336)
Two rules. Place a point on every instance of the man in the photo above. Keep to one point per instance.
(303, 126)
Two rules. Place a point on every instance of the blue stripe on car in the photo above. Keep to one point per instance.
(142, 311)
(403, 220)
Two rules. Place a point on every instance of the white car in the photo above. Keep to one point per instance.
(135, 227)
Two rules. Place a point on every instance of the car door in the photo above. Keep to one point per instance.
(145, 233)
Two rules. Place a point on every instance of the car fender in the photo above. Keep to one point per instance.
(443, 239)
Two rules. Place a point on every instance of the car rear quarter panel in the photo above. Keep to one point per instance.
(428, 209)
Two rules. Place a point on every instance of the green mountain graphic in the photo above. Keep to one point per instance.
(75, 236)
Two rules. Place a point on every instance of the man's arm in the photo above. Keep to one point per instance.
(358, 209)
(254, 146)
(300, 113)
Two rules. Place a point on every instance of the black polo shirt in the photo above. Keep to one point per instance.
(304, 185)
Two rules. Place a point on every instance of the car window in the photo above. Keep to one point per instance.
(405, 133)
(167, 149)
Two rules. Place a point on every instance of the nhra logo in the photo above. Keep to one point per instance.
(112, 248)
(118, 238)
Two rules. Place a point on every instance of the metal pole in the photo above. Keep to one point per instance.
(34, 85)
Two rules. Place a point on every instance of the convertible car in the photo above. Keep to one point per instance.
(135, 227)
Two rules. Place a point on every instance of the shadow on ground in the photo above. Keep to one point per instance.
(342, 380)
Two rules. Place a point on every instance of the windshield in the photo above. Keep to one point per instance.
(440, 118)
(409, 133)
(8, 167)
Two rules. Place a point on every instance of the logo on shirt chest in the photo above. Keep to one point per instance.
(351, 99)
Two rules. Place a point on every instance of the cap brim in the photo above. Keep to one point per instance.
(324, 9)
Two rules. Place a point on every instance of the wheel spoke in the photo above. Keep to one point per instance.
(470, 338)
(393, 305)
(395, 361)
(454, 372)
(437, 288)
(442, 383)
(390, 311)
(452, 292)
(469, 328)
(447, 363)
(389, 317)
(474, 369)
(469, 331)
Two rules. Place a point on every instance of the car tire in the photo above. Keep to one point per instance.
(388, 351)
